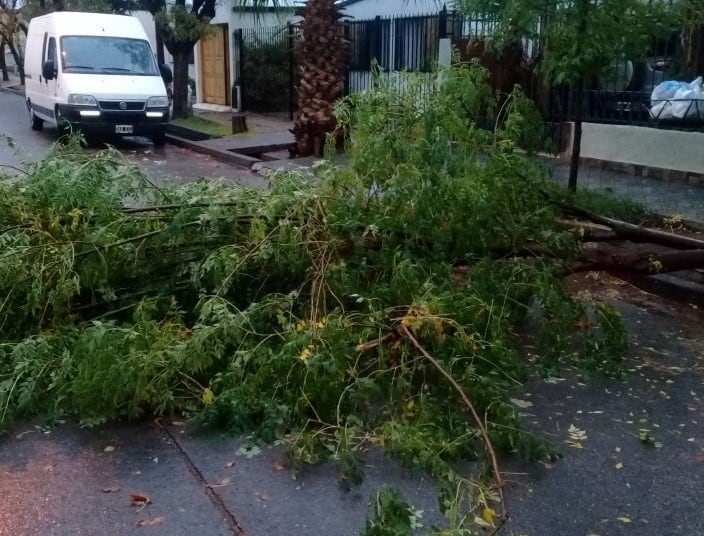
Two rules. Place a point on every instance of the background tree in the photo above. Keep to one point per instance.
(579, 40)
(181, 28)
(691, 15)
(322, 59)
(3, 64)
(10, 27)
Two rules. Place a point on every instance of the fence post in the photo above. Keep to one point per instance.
(239, 42)
(442, 22)
(291, 73)
(375, 44)
(444, 40)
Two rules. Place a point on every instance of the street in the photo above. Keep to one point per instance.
(20, 144)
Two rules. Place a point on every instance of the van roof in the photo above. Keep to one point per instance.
(77, 23)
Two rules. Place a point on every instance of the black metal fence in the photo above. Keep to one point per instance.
(396, 45)
(266, 70)
(622, 97)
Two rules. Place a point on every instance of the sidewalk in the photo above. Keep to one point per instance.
(67, 480)
(12, 85)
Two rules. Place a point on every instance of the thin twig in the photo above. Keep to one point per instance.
(176, 206)
(15, 168)
(475, 415)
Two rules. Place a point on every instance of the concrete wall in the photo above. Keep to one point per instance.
(643, 146)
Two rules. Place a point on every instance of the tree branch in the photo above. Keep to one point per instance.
(475, 415)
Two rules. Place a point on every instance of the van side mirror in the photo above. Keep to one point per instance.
(49, 70)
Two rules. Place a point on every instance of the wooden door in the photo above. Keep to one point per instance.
(214, 66)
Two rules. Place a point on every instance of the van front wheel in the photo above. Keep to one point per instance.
(34, 122)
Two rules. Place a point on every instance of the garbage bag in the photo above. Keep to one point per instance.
(662, 110)
(664, 90)
(688, 101)
(673, 99)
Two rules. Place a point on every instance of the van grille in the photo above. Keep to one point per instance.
(115, 105)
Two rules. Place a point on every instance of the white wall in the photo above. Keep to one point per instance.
(643, 146)
(368, 9)
(362, 10)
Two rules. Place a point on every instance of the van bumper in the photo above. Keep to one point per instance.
(115, 123)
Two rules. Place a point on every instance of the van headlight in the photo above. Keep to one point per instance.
(82, 100)
(157, 102)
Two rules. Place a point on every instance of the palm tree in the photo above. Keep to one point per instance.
(322, 58)
(322, 55)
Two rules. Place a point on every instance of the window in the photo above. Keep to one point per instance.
(107, 55)
(51, 52)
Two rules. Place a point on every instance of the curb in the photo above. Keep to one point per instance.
(17, 92)
(238, 159)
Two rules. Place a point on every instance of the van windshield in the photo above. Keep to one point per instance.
(107, 55)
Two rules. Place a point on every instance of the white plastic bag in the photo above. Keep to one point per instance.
(664, 90)
(678, 100)
(662, 110)
(688, 101)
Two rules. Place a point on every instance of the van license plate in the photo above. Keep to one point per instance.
(123, 129)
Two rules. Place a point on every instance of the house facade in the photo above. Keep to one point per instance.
(218, 63)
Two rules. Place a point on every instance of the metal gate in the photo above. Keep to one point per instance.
(266, 70)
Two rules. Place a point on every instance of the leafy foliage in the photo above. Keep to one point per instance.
(283, 311)
(393, 516)
(579, 38)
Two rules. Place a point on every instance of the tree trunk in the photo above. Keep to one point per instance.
(18, 59)
(636, 233)
(159, 45)
(180, 52)
(693, 50)
(3, 65)
(613, 258)
(583, 9)
(322, 58)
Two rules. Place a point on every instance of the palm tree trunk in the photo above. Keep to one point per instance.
(323, 59)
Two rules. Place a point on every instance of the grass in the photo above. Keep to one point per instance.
(203, 125)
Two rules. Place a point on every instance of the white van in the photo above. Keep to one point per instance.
(95, 73)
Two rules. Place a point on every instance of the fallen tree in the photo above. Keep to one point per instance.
(348, 305)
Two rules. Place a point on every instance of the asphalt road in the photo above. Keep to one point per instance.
(20, 144)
